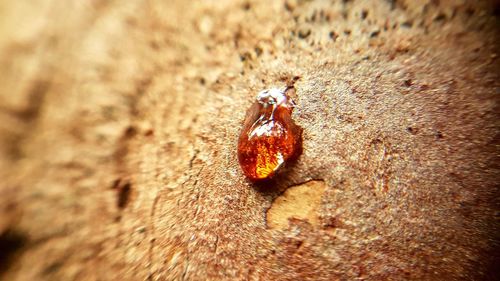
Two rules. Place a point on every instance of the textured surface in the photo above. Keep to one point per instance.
(119, 123)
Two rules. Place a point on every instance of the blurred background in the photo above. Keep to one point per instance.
(119, 122)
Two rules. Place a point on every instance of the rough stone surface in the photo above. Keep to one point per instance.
(119, 123)
(299, 202)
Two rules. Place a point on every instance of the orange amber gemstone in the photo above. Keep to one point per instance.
(269, 137)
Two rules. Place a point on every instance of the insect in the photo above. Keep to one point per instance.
(269, 138)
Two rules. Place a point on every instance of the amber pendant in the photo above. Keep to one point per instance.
(269, 138)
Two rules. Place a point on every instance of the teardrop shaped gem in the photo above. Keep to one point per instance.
(269, 138)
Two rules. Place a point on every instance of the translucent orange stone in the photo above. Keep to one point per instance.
(269, 138)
